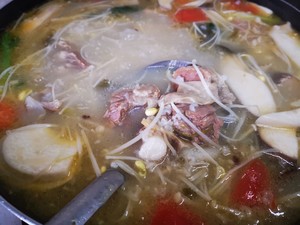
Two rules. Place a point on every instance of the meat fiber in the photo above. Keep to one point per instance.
(68, 57)
(190, 97)
(124, 100)
(196, 92)
(203, 117)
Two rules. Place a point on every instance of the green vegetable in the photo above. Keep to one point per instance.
(271, 20)
(7, 43)
(124, 9)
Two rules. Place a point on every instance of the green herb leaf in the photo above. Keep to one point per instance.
(7, 43)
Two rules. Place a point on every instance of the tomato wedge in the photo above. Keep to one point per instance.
(243, 6)
(7, 115)
(170, 213)
(189, 15)
(253, 187)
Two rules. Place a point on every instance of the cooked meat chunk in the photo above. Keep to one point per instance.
(196, 92)
(126, 99)
(203, 117)
(191, 99)
(67, 56)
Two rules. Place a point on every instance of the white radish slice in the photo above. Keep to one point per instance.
(154, 148)
(286, 119)
(251, 91)
(167, 4)
(284, 140)
(39, 151)
(282, 36)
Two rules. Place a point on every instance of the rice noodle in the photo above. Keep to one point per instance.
(59, 34)
(5, 87)
(227, 119)
(33, 126)
(161, 176)
(79, 144)
(170, 182)
(200, 175)
(216, 18)
(203, 195)
(213, 40)
(208, 91)
(67, 105)
(240, 124)
(127, 211)
(120, 157)
(279, 157)
(122, 165)
(289, 197)
(208, 156)
(189, 123)
(142, 133)
(203, 187)
(195, 3)
(70, 134)
(243, 136)
(53, 85)
(7, 70)
(11, 70)
(228, 209)
(101, 67)
(183, 84)
(284, 58)
(64, 93)
(83, 127)
(91, 154)
(219, 170)
(173, 150)
(255, 67)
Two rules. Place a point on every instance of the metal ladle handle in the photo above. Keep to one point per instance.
(87, 202)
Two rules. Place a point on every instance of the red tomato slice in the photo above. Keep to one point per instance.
(180, 3)
(190, 15)
(243, 6)
(253, 187)
(170, 213)
(7, 115)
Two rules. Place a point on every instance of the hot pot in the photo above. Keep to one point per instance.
(11, 10)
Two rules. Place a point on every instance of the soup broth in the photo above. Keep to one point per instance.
(196, 103)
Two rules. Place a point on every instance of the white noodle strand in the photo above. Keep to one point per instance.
(195, 189)
(200, 133)
(142, 134)
(208, 91)
(91, 154)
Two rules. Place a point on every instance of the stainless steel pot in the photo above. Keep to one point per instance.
(10, 10)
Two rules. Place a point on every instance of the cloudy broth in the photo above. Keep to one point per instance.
(79, 76)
